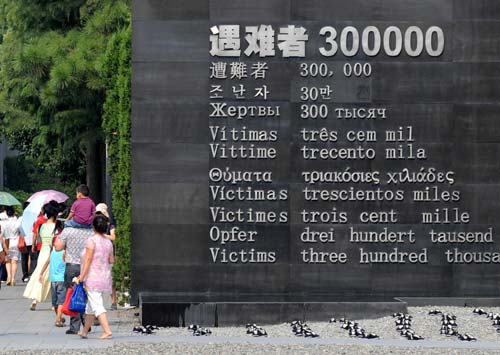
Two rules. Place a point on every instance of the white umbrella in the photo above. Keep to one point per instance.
(31, 213)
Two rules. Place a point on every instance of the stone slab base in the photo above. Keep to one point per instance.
(451, 301)
(220, 313)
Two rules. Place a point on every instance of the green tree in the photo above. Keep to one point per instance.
(28, 17)
(65, 90)
(51, 89)
(116, 122)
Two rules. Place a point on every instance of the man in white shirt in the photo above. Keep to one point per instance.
(10, 233)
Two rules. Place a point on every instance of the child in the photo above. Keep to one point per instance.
(57, 267)
(82, 211)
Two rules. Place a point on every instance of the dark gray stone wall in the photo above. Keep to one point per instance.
(452, 102)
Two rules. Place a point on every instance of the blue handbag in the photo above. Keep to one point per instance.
(78, 299)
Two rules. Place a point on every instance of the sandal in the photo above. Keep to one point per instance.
(106, 337)
(59, 324)
(33, 306)
(82, 336)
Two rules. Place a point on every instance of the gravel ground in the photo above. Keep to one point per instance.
(232, 349)
(232, 340)
(423, 324)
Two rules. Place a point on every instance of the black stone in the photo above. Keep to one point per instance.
(450, 102)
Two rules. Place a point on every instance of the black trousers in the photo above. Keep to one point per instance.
(73, 270)
(24, 261)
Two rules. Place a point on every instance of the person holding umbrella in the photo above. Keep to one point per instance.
(36, 290)
(31, 220)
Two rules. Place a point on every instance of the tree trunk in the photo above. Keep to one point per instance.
(95, 169)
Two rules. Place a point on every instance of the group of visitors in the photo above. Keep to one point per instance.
(59, 253)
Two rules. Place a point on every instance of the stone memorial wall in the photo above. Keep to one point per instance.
(325, 149)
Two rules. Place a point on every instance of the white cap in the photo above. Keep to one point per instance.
(103, 208)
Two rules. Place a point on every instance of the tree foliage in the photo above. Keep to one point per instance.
(33, 16)
(65, 89)
(116, 123)
(51, 88)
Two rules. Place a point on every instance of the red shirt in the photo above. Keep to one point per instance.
(39, 221)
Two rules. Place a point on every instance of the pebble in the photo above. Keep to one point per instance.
(422, 323)
(251, 349)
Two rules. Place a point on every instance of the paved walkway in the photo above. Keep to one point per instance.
(22, 329)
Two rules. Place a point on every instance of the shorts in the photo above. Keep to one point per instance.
(95, 304)
(58, 291)
(15, 254)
